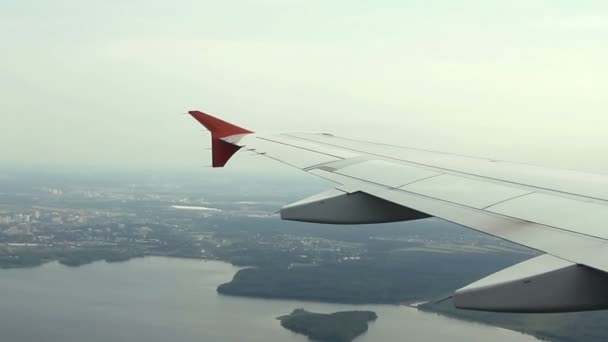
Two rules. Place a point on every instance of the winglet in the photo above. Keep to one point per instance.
(222, 151)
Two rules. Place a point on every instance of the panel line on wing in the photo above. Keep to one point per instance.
(335, 177)
(277, 141)
(506, 200)
(293, 156)
(418, 180)
(385, 173)
(292, 135)
(464, 173)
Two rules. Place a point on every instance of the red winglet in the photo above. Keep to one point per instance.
(221, 150)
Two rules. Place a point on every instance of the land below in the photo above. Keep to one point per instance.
(76, 224)
(335, 327)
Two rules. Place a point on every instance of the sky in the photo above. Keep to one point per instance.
(104, 84)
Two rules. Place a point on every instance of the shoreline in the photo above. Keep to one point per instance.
(413, 305)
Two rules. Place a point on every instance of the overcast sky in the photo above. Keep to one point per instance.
(102, 83)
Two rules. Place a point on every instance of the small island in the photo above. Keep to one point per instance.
(336, 327)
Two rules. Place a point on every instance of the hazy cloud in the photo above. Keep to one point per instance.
(102, 85)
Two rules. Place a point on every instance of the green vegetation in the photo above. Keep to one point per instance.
(23, 256)
(386, 278)
(336, 327)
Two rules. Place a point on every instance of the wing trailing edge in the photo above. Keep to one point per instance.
(221, 149)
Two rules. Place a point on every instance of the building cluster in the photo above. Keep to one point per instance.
(19, 218)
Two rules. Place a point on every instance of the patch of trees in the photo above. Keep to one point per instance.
(336, 327)
(383, 280)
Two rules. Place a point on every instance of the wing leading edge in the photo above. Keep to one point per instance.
(380, 183)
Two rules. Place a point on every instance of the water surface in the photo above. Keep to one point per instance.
(163, 299)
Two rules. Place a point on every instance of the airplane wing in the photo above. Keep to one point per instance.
(558, 212)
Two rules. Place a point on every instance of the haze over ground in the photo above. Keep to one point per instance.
(101, 84)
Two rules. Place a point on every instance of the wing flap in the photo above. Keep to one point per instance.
(392, 175)
(465, 191)
(570, 214)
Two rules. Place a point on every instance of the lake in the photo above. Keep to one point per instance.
(165, 299)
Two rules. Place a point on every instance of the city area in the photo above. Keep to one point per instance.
(79, 219)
